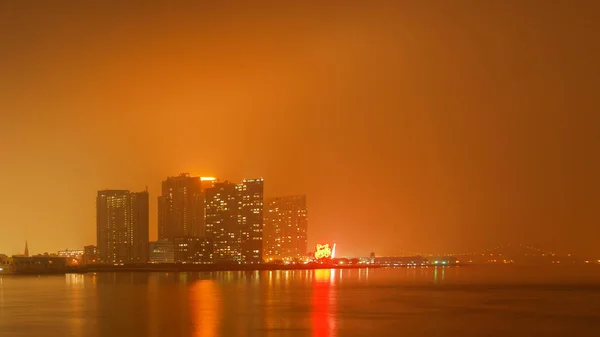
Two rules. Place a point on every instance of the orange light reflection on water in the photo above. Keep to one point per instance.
(75, 283)
(205, 307)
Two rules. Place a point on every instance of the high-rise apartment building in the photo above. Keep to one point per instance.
(122, 226)
(285, 227)
(234, 220)
(181, 208)
(251, 196)
(223, 221)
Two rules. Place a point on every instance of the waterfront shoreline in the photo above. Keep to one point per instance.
(213, 268)
(176, 267)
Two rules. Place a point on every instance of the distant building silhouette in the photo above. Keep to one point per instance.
(38, 264)
(122, 226)
(26, 253)
(400, 260)
(285, 229)
(181, 207)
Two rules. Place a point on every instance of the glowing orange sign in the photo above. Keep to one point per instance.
(322, 251)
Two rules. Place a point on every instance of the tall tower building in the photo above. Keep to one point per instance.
(285, 227)
(223, 221)
(251, 196)
(181, 208)
(122, 226)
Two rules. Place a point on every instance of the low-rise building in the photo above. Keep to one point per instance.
(162, 251)
(73, 256)
(38, 264)
(5, 264)
(90, 254)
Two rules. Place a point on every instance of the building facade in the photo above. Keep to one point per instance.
(122, 226)
(90, 254)
(6, 265)
(193, 250)
(223, 221)
(71, 253)
(181, 208)
(251, 197)
(285, 228)
(73, 256)
(234, 220)
(162, 251)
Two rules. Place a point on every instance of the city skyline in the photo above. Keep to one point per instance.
(299, 168)
(202, 219)
(440, 126)
(202, 183)
(208, 182)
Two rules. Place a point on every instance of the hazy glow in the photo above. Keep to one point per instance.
(208, 178)
(482, 136)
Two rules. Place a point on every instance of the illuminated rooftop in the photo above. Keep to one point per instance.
(252, 180)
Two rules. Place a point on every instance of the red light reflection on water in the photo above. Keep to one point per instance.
(323, 303)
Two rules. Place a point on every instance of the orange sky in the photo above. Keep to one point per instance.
(417, 125)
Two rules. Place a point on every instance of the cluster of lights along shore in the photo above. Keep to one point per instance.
(201, 220)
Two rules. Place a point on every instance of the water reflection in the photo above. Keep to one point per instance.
(269, 304)
(323, 303)
(205, 306)
(75, 283)
(389, 302)
(124, 303)
(439, 275)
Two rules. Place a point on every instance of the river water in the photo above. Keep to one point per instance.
(456, 301)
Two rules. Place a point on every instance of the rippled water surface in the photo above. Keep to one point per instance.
(466, 301)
